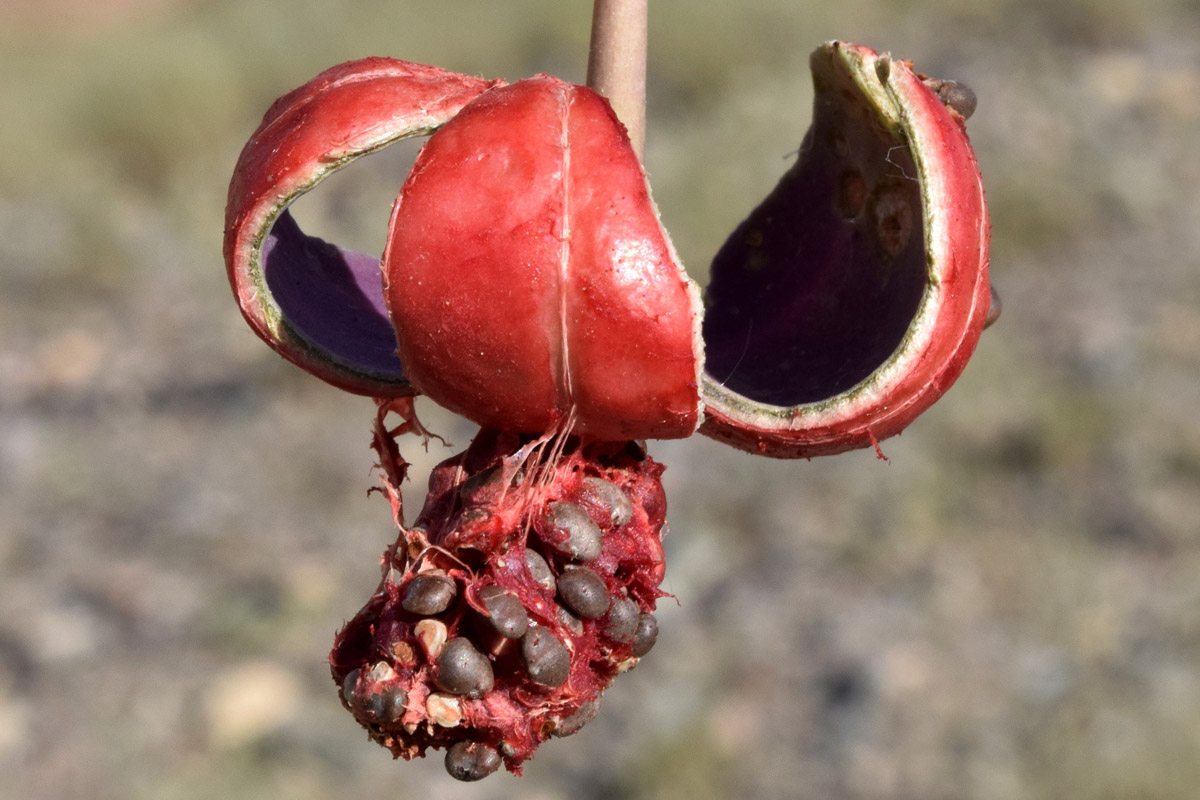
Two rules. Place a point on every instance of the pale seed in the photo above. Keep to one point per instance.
(431, 633)
(444, 709)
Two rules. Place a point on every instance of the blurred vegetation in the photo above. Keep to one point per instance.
(1007, 609)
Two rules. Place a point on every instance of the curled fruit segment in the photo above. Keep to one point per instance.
(316, 304)
(852, 297)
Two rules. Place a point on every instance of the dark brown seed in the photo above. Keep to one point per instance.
(582, 716)
(386, 706)
(464, 670)
(571, 622)
(546, 658)
(646, 635)
(583, 591)
(506, 615)
(479, 482)
(428, 594)
(993, 313)
(349, 684)
(471, 761)
(572, 531)
(539, 570)
(608, 496)
(622, 621)
(958, 96)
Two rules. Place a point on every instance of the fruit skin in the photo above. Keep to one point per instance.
(530, 282)
(480, 518)
(952, 311)
(334, 325)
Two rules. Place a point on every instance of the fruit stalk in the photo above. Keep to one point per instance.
(617, 62)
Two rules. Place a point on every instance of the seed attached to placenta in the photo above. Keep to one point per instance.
(546, 658)
(646, 635)
(583, 591)
(428, 594)
(622, 621)
(506, 615)
(464, 670)
(539, 570)
(471, 761)
(607, 496)
(571, 531)
(582, 716)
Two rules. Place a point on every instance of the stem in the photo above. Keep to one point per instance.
(617, 62)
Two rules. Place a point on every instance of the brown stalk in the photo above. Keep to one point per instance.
(617, 62)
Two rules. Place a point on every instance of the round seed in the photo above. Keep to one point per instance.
(539, 570)
(444, 709)
(646, 635)
(471, 761)
(582, 716)
(506, 615)
(481, 481)
(546, 658)
(622, 621)
(349, 684)
(388, 705)
(583, 591)
(432, 635)
(993, 310)
(958, 96)
(382, 671)
(428, 594)
(572, 531)
(571, 622)
(464, 670)
(609, 496)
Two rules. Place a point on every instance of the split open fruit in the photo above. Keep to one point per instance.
(528, 284)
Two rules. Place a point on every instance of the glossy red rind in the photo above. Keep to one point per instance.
(345, 112)
(952, 312)
(528, 277)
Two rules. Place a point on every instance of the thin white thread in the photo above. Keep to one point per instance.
(903, 171)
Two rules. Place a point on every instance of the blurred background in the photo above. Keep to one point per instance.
(1008, 608)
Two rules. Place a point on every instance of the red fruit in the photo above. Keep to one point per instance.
(528, 276)
(528, 285)
(318, 305)
(505, 664)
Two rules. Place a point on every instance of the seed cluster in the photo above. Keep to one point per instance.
(526, 585)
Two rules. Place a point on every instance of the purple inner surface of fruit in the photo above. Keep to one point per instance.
(331, 297)
(818, 287)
